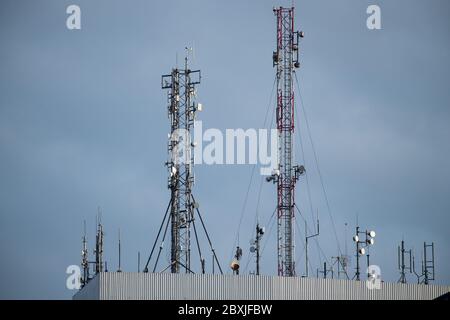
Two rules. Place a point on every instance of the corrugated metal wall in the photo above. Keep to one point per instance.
(157, 286)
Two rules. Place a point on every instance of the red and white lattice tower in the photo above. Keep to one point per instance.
(285, 59)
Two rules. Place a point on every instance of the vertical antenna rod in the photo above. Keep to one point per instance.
(357, 242)
(306, 245)
(119, 268)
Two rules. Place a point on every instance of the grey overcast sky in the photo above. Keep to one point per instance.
(83, 124)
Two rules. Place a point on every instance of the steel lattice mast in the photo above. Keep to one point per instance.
(285, 59)
(181, 111)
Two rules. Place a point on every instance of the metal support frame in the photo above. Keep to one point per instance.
(325, 271)
(342, 262)
(428, 265)
(428, 272)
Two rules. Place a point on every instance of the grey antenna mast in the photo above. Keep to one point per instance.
(361, 247)
(256, 244)
(119, 268)
(139, 261)
(401, 252)
(85, 258)
(182, 211)
(99, 243)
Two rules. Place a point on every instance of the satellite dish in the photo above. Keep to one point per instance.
(371, 241)
(356, 238)
(252, 249)
(372, 234)
(362, 251)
